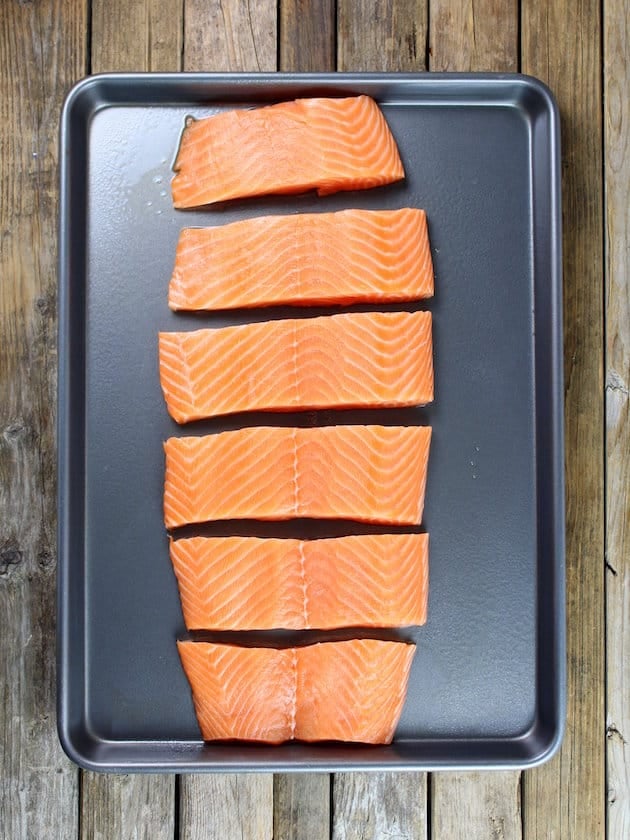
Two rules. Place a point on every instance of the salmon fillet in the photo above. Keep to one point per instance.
(331, 691)
(323, 144)
(246, 583)
(365, 359)
(366, 473)
(307, 258)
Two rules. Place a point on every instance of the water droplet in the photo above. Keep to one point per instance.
(163, 193)
(157, 179)
(474, 475)
(34, 154)
(149, 203)
(476, 449)
(158, 212)
(472, 463)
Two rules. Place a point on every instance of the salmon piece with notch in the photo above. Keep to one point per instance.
(330, 691)
(291, 147)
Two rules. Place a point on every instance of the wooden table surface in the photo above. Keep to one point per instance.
(580, 49)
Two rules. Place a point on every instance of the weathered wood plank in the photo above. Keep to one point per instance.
(143, 35)
(138, 807)
(374, 35)
(132, 37)
(229, 35)
(307, 35)
(306, 43)
(42, 53)
(381, 35)
(617, 178)
(561, 45)
(226, 805)
(476, 805)
(370, 806)
(472, 36)
(301, 806)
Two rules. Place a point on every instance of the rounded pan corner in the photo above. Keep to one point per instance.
(544, 741)
(547, 750)
(537, 96)
(76, 97)
(85, 97)
(74, 745)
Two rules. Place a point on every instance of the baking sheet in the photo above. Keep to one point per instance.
(481, 155)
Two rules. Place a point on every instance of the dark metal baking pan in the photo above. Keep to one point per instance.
(481, 154)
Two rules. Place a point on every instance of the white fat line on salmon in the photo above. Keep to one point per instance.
(304, 586)
(296, 379)
(294, 661)
(296, 488)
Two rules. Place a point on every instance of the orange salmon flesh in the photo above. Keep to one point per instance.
(366, 473)
(292, 147)
(361, 359)
(303, 259)
(247, 583)
(331, 691)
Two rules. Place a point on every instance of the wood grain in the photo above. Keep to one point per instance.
(372, 806)
(301, 806)
(226, 805)
(617, 182)
(476, 805)
(381, 35)
(230, 35)
(470, 36)
(132, 37)
(138, 807)
(307, 35)
(42, 53)
(474, 35)
(143, 35)
(561, 45)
